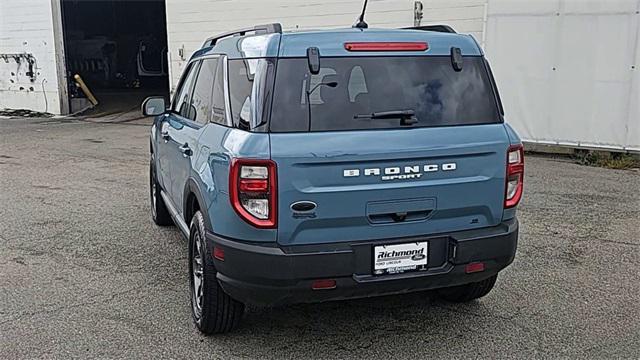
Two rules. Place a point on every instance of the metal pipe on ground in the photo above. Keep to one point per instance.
(85, 90)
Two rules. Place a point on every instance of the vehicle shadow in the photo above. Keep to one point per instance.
(375, 326)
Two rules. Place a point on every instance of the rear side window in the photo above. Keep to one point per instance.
(203, 91)
(428, 86)
(182, 97)
(240, 86)
(250, 91)
(218, 115)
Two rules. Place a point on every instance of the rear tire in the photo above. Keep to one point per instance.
(468, 292)
(159, 212)
(213, 310)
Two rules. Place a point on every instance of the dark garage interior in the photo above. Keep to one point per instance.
(119, 49)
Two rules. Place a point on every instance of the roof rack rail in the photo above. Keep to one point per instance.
(438, 28)
(258, 29)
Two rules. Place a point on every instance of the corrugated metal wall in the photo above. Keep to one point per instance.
(568, 70)
(32, 27)
(190, 22)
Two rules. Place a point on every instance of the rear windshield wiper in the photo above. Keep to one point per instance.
(407, 117)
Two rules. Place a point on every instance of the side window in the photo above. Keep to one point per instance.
(240, 86)
(218, 107)
(250, 91)
(202, 92)
(181, 100)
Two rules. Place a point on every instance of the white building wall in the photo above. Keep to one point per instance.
(568, 70)
(190, 22)
(32, 26)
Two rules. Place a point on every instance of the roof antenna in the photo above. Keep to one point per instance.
(361, 24)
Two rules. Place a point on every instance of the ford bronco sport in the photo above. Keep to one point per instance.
(324, 165)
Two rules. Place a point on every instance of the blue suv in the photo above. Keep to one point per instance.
(325, 165)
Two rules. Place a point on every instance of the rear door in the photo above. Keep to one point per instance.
(169, 126)
(193, 114)
(375, 178)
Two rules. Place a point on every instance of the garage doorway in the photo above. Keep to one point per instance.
(119, 49)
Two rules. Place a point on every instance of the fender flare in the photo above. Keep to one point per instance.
(192, 187)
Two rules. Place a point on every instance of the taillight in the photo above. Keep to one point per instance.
(515, 176)
(386, 46)
(252, 187)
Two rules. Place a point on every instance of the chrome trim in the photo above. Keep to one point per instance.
(227, 100)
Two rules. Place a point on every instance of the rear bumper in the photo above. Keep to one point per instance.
(272, 275)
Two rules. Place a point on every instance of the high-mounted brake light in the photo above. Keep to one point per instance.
(252, 189)
(515, 176)
(386, 46)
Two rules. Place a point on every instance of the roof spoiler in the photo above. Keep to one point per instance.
(274, 28)
(438, 28)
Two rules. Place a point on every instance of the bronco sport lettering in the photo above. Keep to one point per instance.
(400, 173)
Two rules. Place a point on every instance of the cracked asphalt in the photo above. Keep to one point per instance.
(85, 274)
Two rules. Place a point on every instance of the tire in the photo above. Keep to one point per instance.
(159, 212)
(468, 292)
(213, 311)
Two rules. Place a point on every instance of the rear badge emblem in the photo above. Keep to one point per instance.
(304, 209)
(398, 172)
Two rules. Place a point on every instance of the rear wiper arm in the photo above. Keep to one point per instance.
(407, 117)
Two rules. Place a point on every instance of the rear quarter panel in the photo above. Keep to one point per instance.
(217, 146)
(513, 139)
(512, 134)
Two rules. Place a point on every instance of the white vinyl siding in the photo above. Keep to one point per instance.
(33, 27)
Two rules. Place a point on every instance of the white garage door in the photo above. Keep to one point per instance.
(568, 70)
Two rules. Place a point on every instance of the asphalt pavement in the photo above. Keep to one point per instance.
(84, 273)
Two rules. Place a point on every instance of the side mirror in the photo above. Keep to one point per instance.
(313, 57)
(153, 106)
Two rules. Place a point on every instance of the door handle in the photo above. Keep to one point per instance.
(186, 150)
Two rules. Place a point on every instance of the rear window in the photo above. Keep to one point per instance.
(427, 86)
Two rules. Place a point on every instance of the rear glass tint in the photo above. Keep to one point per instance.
(428, 86)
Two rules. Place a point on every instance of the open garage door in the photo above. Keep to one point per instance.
(119, 50)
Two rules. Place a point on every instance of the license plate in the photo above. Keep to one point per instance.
(400, 258)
